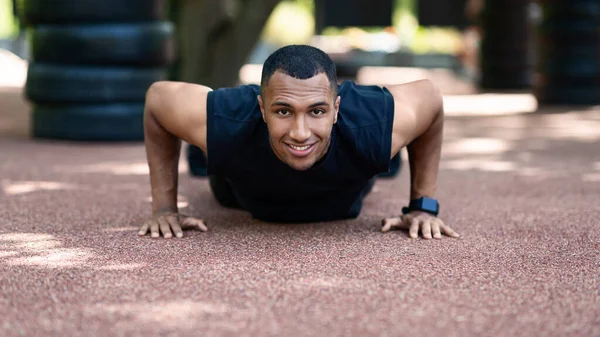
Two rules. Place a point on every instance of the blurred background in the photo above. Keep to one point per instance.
(79, 69)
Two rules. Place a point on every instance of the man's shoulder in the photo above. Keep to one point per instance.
(233, 117)
(364, 105)
(365, 122)
(243, 89)
(235, 103)
(350, 87)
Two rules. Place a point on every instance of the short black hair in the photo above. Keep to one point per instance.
(301, 62)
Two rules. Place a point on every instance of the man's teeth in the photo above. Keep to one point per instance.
(300, 148)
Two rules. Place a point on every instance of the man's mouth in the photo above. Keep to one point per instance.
(300, 150)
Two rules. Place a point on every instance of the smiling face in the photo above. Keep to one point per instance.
(299, 116)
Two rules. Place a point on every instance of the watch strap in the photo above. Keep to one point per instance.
(423, 204)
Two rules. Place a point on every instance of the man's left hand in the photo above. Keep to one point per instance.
(416, 221)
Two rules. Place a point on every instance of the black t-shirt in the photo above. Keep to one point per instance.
(239, 150)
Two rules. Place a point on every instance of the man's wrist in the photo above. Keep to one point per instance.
(423, 204)
(165, 210)
(164, 207)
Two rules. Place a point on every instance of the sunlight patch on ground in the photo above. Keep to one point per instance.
(21, 237)
(124, 266)
(47, 249)
(140, 168)
(37, 246)
(532, 171)
(489, 104)
(476, 146)
(572, 125)
(176, 314)
(491, 164)
(537, 173)
(29, 242)
(21, 187)
(67, 257)
(13, 70)
(8, 253)
(327, 282)
(580, 130)
(482, 164)
(591, 177)
(116, 168)
(120, 229)
(43, 250)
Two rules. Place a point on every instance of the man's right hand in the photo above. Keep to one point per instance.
(169, 223)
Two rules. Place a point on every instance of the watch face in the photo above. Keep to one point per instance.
(428, 203)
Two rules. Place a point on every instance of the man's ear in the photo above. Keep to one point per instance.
(336, 109)
(262, 107)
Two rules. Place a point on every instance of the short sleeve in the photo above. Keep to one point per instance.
(365, 121)
(232, 116)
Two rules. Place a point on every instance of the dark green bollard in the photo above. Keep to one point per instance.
(506, 53)
(568, 41)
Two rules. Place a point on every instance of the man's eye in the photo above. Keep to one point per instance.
(283, 112)
(318, 112)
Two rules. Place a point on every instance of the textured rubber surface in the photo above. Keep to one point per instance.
(106, 122)
(141, 44)
(88, 11)
(77, 84)
(521, 190)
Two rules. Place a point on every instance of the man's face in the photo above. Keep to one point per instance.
(299, 115)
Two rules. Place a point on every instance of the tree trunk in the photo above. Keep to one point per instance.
(215, 38)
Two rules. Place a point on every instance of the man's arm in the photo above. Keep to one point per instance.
(419, 126)
(174, 111)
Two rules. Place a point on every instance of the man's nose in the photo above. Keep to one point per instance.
(301, 130)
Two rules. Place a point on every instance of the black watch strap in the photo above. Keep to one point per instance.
(424, 204)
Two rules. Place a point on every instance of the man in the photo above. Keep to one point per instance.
(299, 148)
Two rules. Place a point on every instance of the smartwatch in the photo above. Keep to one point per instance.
(424, 204)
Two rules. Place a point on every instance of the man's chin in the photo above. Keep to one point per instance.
(300, 166)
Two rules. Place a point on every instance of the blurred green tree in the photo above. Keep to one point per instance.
(216, 37)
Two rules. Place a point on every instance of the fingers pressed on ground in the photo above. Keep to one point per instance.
(190, 222)
(426, 229)
(144, 229)
(388, 223)
(414, 228)
(448, 231)
(154, 229)
(202, 226)
(174, 223)
(165, 228)
(435, 229)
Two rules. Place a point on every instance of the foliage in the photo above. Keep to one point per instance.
(292, 22)
(8, 25)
